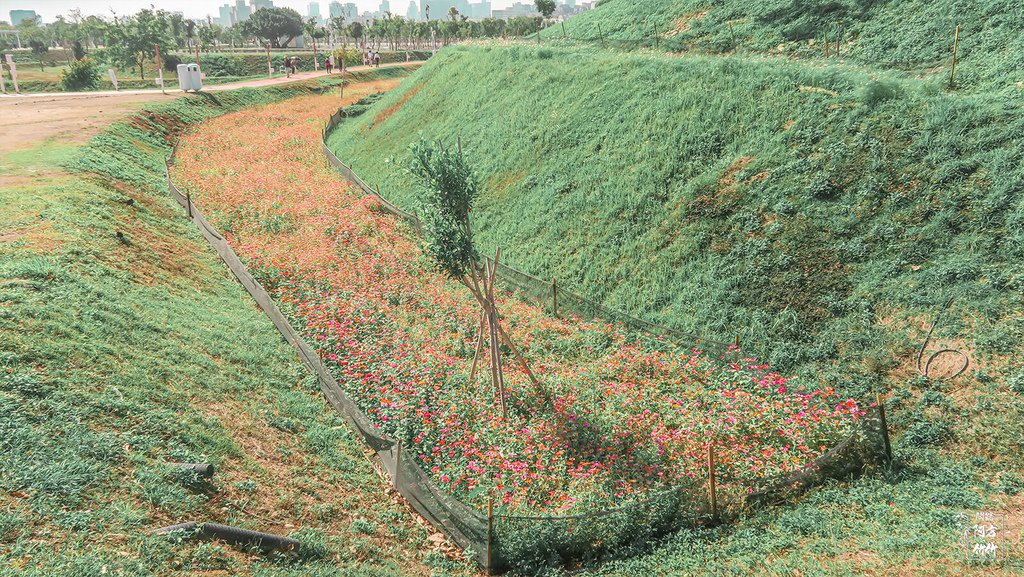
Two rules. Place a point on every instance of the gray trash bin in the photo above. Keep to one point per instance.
(197, 77)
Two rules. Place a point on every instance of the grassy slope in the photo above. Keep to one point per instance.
(911, 35)
(817, 213)
(823, 214)
(117, 356)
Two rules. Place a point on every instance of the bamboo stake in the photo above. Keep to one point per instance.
(885, 428)
(479, 345)
(711, 481)
(956, 42)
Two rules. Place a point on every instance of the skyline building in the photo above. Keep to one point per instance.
(334, 9)
(17, 16)
(242, 11)
(413, 13)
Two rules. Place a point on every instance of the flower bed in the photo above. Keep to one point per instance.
(626, 415)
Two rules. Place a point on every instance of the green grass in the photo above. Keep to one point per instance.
(117, 356)
(915, 36)
(821, 213)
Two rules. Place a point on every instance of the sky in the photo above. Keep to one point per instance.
(49, 9)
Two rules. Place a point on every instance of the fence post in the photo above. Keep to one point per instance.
(188, 201)
(398, 461)
(712, 490)
(554, 296)
(490, 532)
(885, 428)
(956, 41)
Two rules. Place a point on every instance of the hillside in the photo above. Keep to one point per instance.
(822, 215)
(126, 345)
(915, 36)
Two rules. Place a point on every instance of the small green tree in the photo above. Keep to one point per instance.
(274, 26)
(449, 189)
(39, 48)
(82, 74)
(545, 7)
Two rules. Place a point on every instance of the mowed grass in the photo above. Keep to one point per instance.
(120, 354)
(824, 214)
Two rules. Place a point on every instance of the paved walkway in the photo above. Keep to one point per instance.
(211, 88)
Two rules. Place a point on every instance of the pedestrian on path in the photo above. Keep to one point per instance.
(376, 59)
(328, 64)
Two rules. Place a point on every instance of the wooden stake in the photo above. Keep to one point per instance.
(188, 201)
(885, 428)
(839, 36)
(554, 296)
(952, 70)
(479, 345)
(601, 33)
(657, 39)
(563, 29)
(711, 481)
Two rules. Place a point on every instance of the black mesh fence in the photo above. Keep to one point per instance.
(501, 540)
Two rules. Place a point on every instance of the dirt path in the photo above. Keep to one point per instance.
(75, 117)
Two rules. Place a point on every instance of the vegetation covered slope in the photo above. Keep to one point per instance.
(125, 344)
(823, 215)
(911, 35)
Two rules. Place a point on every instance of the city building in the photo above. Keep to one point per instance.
(413, 13)
(479, 10)
(351, 12)
(242, 11)
(385, 7)
(313, 11)
(334, 9)
(257, 4)
(516, 10)
(17, 16)
(227, 16)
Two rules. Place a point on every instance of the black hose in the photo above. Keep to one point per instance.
(263, 541)
(204, 470)
(924, 367)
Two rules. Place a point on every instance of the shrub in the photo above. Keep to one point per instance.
(171, 62)
(82, 74)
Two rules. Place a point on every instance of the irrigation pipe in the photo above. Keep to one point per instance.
(265, 542)
(926, 368)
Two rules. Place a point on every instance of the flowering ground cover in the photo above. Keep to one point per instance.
(624, 414)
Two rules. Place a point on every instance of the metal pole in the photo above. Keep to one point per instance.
(885, 428)
(490, 532)
(711, 481)
(554, 296)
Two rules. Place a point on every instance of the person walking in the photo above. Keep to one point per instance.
(295, 64)
(327, 64)
(376, 59)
